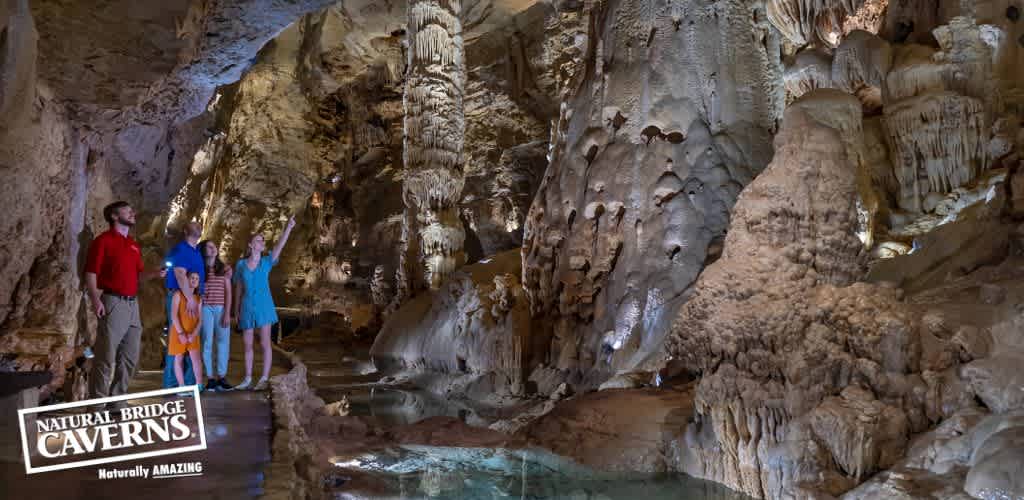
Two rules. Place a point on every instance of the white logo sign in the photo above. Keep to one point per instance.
(53, 438)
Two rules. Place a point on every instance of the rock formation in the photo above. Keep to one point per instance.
(668, 117)
(810, 381)
(434, 131)
(475, 329)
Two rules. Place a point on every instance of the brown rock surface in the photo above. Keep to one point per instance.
(617, 430)
(801, 367)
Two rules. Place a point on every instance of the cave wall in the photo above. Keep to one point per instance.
(670, 114)
(110, 108)
(315, 127)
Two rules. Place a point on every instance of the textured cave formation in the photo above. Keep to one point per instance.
(669, 115)
(807, 21)
(432, 150)
(773, 244)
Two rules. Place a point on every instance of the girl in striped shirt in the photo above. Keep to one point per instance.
(216, 326)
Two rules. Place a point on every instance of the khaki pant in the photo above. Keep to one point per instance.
(116, 347)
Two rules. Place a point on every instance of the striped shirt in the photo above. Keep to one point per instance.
(216, 287)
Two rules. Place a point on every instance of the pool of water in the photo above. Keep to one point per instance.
(334, 374)
(412, 472)
(495, 473)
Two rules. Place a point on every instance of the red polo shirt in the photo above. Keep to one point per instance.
(117, 261)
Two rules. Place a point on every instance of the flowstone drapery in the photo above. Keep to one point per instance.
(434, 132)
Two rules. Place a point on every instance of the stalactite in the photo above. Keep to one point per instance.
(807, 21)
(434, 132)
(937, 136)
(938, 112)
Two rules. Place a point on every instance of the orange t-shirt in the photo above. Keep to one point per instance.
(188, 322)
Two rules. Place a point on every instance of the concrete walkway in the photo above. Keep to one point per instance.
(238, 427)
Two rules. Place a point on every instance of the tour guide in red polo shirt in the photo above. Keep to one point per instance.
(112, 275)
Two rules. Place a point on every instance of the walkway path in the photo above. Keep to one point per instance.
(238, 426)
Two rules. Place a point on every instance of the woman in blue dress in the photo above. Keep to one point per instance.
(254, 306)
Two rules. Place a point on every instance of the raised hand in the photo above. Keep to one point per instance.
(275, 254)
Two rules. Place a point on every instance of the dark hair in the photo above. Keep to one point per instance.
(190, 273)
(111, 209)
(218, 265)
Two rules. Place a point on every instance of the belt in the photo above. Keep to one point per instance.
(122, 297)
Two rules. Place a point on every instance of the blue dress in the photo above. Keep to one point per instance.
(257, 307)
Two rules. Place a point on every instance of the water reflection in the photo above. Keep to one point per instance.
(493, 473)
(433, 472)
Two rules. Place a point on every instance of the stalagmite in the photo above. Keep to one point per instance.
(434, 133)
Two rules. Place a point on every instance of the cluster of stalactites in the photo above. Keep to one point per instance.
(441, 240)
(433, 189)
(809, 21)
(939, 106)
(940, 135)
(435, 33)
(434, 132)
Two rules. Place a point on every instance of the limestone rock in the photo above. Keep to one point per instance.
(787, 379)
(670, 119)
(998, 381)
(811, 69)
(996, 468)
(860, 65)
(808, 21)
(972, 455)
(617, 430)
(466, 329)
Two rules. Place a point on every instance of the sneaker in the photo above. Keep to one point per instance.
(224, 386)
(261, 385)
(244, 385)
(211, 385)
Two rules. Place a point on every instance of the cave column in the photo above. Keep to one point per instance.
(434, 131)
